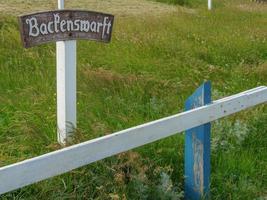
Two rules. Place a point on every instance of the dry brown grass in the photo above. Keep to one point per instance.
(249, 6)
(261, 70)
(108, 77)
(116, 7)
(254, 7)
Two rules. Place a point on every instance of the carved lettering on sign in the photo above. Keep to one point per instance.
(59, 25)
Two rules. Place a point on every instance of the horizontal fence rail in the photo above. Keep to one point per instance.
(48, 165)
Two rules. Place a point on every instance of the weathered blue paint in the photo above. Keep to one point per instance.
(197, 149)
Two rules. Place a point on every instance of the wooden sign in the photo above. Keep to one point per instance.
(61, 25)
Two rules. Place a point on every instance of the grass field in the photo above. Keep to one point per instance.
(160, 53)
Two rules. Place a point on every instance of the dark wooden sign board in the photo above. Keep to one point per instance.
(61, 25)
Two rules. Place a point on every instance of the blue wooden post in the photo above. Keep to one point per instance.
(197, 149)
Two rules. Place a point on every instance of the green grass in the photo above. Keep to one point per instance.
(148, 70)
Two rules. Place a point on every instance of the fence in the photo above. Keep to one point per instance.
(48, 165)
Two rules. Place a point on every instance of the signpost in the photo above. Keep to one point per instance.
(197, 149)
(209, 4)
(64, 27)
(66, 82)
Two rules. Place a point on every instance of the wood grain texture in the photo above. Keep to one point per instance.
(48, 165)
(60, 32)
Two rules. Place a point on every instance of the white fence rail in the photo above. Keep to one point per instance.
(48, 165)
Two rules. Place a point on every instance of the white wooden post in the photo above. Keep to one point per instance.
(209, 4)
(66, 87)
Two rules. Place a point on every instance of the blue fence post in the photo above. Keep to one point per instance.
(197, 149)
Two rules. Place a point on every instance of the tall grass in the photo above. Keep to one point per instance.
(152, 64)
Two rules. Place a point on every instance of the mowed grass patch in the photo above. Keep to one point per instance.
(152, 64)
(116, 7)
